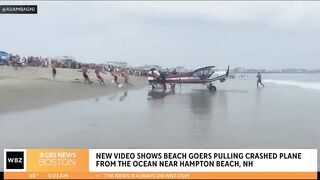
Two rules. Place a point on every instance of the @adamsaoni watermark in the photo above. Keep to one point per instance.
(18, 9)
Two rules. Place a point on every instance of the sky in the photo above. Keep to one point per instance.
(247, 34)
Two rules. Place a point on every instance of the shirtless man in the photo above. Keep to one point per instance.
(259, 80)
(14, 62)
(115, 77)
(84, 71)
(54, 71)
(97, 71)
(125, 75)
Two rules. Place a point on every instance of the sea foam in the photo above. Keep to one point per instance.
(306, 85)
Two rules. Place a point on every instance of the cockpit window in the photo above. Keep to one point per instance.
(203, 73)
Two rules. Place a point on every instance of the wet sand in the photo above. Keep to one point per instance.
(32, 87)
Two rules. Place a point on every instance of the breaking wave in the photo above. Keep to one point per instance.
(306, 85)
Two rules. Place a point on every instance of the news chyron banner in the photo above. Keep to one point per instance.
(160, 164)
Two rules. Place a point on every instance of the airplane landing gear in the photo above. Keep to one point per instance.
(211, 87)
(162, 85)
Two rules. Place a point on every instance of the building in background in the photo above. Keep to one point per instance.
(121, 64)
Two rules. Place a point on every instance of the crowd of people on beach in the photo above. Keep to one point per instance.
(116, 72)
(37, 61)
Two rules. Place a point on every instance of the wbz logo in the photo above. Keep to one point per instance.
(14, 160)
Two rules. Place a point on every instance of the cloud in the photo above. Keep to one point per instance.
(283, 14)
(291, 15)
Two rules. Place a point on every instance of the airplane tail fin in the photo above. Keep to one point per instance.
(227, 72)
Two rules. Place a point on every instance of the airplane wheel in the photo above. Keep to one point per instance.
(211, 87)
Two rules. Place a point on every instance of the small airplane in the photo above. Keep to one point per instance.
(205, 75)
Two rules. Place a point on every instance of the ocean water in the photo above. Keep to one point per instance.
(308, 81)
(284, 114)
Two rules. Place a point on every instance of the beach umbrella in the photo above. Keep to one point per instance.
(2, 53)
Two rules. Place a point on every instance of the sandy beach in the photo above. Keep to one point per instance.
(33, 87)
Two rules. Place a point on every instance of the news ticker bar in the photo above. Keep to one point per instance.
(162, 175)
(18, 9)
(160, 163)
